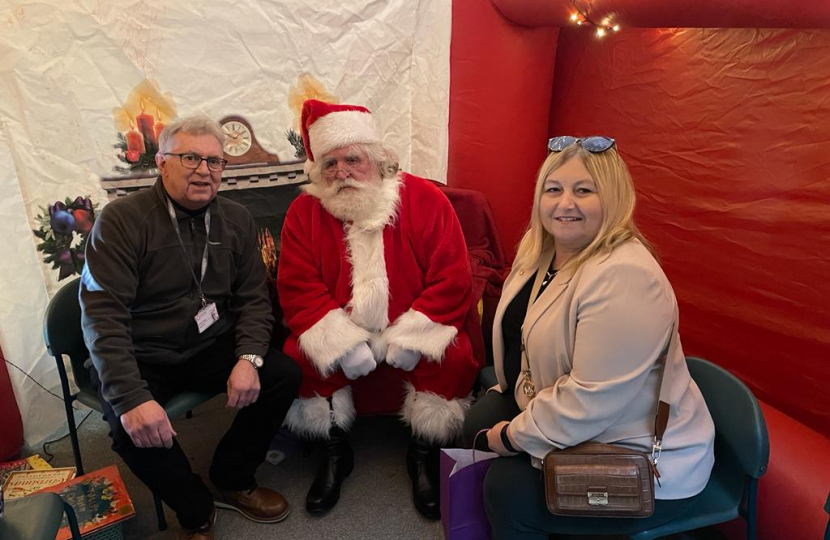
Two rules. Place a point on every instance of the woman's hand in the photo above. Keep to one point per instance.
(494, 440)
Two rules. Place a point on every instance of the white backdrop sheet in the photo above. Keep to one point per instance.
(66, 64)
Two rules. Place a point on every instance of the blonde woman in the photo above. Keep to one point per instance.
(592, 334)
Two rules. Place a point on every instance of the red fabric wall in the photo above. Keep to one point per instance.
(500, 86)
(727, 134)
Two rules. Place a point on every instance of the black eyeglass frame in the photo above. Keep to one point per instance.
(596, 144)
(220, 161)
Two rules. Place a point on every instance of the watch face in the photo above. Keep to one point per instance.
(237, 138)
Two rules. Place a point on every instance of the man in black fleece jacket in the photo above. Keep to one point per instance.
(174, 298)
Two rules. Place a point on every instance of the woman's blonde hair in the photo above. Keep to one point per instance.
(617, 198)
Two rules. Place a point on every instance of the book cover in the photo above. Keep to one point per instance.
(23, 464)
(99, 499)
(21, 483)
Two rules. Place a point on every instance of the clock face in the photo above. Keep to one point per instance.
(237, 138)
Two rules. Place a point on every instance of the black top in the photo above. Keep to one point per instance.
(511, 330)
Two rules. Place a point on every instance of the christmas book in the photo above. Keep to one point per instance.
(21, 483)
(23, 464)
(99, 499)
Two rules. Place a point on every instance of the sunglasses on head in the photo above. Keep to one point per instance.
(595, 144)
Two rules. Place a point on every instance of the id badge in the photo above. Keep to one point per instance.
(206, 317)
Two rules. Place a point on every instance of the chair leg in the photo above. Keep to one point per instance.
(73, 436)
(73, 521)
(160, 512)
(68, 398)
(751, 507)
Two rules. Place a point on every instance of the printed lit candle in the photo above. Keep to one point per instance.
(159, 126)
(145, 126)
(135, 141)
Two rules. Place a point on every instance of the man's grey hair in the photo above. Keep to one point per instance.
(382, 157)
(197, 124)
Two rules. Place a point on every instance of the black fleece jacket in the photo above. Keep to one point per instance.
(138, 296)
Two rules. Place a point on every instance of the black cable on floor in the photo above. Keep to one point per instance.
(52, 456)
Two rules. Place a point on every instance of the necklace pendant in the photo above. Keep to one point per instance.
(528, 388)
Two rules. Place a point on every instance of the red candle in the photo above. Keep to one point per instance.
(159, 126)
(135, 142)
(145, 126)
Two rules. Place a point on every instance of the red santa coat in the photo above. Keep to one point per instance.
(401, 277)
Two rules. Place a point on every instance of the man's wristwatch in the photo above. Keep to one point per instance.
(254, 359)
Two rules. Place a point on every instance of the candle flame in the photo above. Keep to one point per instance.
(307, 87)
(146, 91)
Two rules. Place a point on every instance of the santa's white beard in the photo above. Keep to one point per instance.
(350, 200)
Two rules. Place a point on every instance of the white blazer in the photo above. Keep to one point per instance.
(593, 339)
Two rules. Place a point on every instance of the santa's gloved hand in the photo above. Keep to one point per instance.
(358, 362)
(405, 359)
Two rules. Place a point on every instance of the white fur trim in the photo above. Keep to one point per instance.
(369, 305)
(313, 418)
(327, 341)
(415, 331)
(432, 417)
(341, 128)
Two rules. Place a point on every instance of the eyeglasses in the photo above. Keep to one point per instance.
(193, 161)
(595, 144)
(352, 163)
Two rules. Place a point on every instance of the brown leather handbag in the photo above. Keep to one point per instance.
(606, 480)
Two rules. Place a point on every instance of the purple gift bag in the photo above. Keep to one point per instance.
(462, 503)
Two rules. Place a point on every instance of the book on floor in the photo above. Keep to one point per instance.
(21, 483)
(99, 499)
(23, 464)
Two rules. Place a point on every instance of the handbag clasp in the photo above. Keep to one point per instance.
(598, 498)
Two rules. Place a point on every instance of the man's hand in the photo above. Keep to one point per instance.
(495, 443)
(243, 385)
(405, 359)
(148, 426)
(358, 362)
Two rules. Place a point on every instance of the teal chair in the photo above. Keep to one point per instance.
(827, 509)
(63, 336)
(37, 517)
(741, 454)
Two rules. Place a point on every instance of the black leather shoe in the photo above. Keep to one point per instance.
(336, 463)
(422, 465)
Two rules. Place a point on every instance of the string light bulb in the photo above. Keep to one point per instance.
(579, 17)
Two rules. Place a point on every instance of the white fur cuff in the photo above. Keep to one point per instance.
(432, 417)
(333, 336)
(415, 331)
(312, 418)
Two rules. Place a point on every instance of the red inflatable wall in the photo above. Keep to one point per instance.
(500, 86)
(727, 134)
(11, 425)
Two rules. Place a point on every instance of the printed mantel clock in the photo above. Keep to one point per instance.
(241, 146)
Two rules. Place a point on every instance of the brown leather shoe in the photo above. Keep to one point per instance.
(205, 532)
(260, 504)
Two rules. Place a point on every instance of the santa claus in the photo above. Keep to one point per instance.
(373, 269)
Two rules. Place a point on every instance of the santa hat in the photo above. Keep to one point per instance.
(327, 126)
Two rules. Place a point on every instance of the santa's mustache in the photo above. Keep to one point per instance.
(338, 185)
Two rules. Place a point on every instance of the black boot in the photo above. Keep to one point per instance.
(336, 463)
(422, 465)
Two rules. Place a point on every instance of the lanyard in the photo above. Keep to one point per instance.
(172, 212)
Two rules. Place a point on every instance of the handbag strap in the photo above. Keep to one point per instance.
(661, 419)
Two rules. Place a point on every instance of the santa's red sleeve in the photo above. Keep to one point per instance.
(325, 332)
(437, 315)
